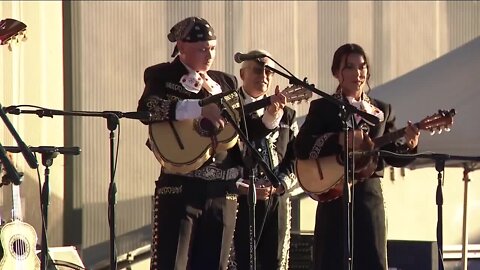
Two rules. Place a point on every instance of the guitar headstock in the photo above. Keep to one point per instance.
(296, 93)
(11, 30)
(438, 122)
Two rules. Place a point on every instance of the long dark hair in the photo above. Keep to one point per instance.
(346, 50)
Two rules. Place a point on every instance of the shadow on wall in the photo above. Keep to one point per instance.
(129, 236)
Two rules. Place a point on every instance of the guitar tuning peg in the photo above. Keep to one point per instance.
(447, 129)
(439, 131)
(432, 132)
(24, 36)
(9, 46)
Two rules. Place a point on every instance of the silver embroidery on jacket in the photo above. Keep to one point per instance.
(159, 108)
(317, 147)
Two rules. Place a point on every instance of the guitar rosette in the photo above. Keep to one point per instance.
(206, 128)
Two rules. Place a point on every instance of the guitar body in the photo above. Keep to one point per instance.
(321, 179)
(18, 241)
(191, 149)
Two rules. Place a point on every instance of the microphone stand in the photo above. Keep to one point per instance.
(254, 160)
(467, 168)
(48, 154)
(251, 170)
(439, 166)
(112, 123)
(346, 111)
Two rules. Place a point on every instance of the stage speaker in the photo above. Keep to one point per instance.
(402, 254)
(301, 251)
(412, 255)
(64, 258)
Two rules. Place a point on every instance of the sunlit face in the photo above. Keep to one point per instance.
(352, 75)
(199, 55)
(256, 79)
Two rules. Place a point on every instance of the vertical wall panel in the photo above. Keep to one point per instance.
(308, 48)
(109, 55)
(332, 32)
(462, 19)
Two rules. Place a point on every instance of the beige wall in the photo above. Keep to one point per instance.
(412, 209)
(32, 73)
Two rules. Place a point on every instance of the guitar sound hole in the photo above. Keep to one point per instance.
(19, 248)
(206, 128)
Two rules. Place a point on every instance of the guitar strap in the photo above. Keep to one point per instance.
(266, 147)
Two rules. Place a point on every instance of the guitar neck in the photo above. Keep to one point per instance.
(292, 93)
(254, 106)
(390, 137)
(17, 203)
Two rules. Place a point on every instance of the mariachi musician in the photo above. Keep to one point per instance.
(194, 212)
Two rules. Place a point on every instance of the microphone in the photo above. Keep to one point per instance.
(39, 112)
(62, 150)
(26, 152)
(240, 57)
(48, 149)
(214, 98)
(11, 110)
(142, 115)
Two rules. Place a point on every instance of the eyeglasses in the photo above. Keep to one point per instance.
(261, 71)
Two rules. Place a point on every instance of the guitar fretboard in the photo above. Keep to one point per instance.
(254, 106)
(17, 203)
(390, 137)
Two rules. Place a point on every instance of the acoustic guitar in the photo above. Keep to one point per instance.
(322, 178)
(184, 146)
(18, 239)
